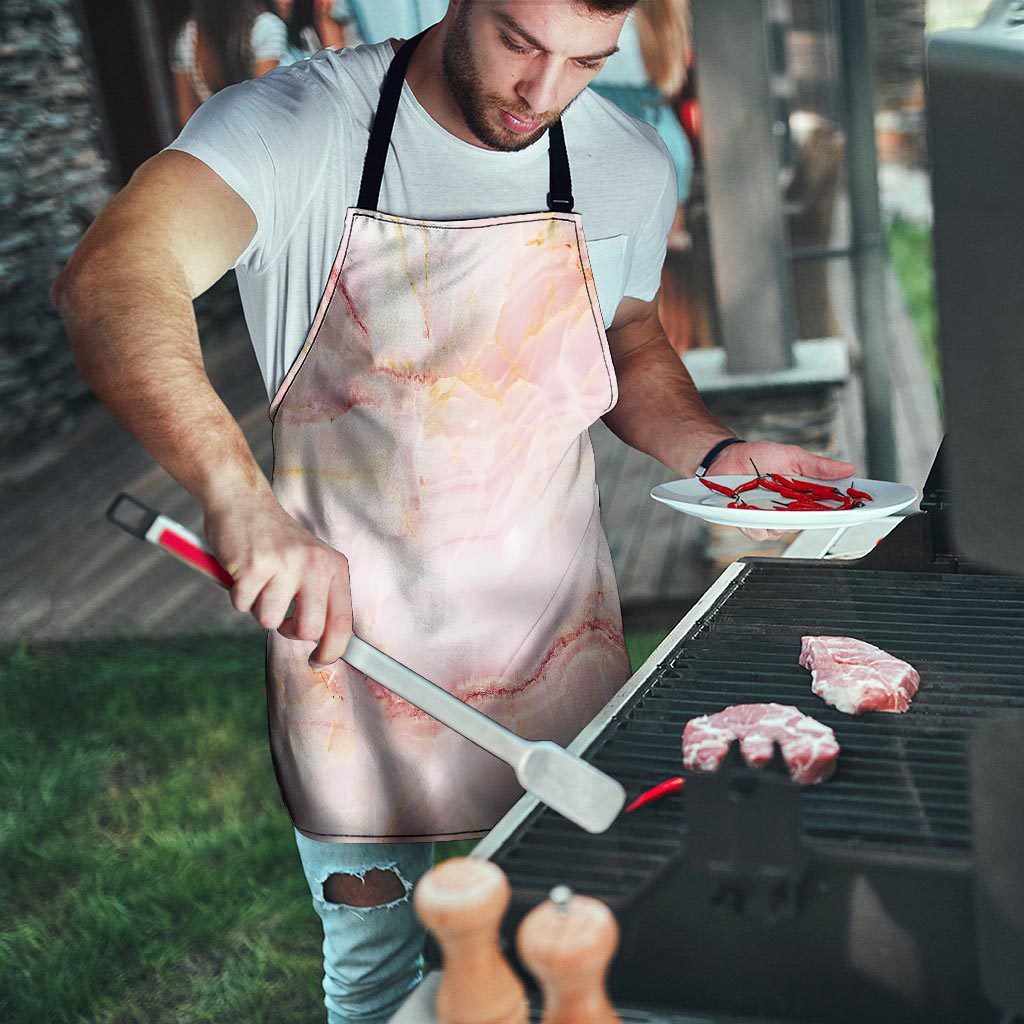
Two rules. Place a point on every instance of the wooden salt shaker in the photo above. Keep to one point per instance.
(462, 901)
(567, 943)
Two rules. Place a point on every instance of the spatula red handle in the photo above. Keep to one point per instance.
(147, 524)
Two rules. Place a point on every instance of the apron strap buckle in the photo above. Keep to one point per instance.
(560, 204)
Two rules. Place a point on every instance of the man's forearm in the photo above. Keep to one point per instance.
(133, 334)
(660, 411)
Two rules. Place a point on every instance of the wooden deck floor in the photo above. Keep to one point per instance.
(72, 575)
(76, 575)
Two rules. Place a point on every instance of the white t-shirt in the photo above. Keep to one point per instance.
(292, 144)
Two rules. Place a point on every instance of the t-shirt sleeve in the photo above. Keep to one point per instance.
(651, 241)
(269, 139)
(269, 38)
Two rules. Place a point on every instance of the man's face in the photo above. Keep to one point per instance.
(513, 66)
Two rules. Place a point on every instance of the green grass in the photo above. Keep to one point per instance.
(147, 867)
(910, 246)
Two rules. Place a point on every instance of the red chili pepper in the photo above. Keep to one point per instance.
(808, 487)
(750, 485)
(793, 485)
(806, 505)
(772, 485)
(721, 488)
(656, 793)
(815, 504)
(863, 495)
(788, 492)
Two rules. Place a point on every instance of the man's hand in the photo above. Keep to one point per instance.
(771, 457)
(273, 562)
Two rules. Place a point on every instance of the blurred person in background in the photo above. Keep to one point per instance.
(372, 21)
(647, 75)
(314, 25)
(223, 42)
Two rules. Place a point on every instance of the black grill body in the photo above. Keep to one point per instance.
(846, 901)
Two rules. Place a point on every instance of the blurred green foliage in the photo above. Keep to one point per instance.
(910, 248)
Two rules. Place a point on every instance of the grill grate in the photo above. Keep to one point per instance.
(902, 779)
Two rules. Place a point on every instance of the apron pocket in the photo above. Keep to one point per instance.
(608, 265)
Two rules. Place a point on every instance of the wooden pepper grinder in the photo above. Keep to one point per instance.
(462, 901)
(567, 943)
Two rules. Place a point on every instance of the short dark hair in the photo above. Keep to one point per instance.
(605, 7)
(609, 6)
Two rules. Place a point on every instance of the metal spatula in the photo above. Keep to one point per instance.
(564, 782)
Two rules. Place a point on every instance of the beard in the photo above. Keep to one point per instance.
(478, 107)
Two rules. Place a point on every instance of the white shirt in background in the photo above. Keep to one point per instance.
(268, 40)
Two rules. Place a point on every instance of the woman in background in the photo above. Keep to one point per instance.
(313, 25)
(648, 73)
(644, 78)
(221, 43)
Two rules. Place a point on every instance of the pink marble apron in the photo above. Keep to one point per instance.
(434, 430)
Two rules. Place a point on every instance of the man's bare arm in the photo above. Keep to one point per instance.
(126, 300)
(660, 411)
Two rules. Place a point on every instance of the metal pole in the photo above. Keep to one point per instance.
(745, 220)
(867, 236)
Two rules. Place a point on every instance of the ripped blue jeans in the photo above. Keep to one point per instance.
(373, 955)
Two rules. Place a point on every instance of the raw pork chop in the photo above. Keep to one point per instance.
(855, 677)
(809, 748)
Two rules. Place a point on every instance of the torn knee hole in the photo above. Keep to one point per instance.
(373, 889)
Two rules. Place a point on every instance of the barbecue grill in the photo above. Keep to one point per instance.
(746, 896)
(893, 892)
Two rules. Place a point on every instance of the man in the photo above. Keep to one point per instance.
(433, 481)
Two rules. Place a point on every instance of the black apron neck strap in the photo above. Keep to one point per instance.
(559, 197)
(383, 122)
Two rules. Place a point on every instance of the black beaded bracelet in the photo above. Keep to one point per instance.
(705, 463)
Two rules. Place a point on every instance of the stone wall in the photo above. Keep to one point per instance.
(54, 178)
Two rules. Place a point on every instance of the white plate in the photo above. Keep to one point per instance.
(693, 498)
